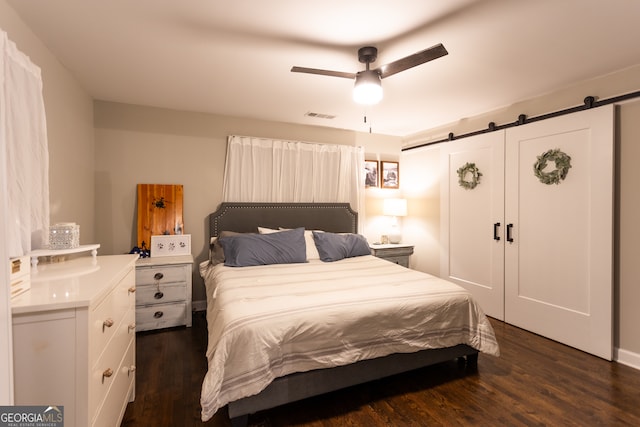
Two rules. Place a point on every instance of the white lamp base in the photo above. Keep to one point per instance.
(394, 234)
(395, 238)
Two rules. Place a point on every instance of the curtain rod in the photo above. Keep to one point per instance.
(589, 102)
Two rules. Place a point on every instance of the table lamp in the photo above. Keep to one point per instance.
(395, 208)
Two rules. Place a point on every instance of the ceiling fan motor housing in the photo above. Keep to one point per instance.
(367, 54)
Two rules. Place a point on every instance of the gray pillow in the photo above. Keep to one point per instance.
(216, 253)
(334, 247)
(285, 247)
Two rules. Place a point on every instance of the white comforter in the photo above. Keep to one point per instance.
(270, 321)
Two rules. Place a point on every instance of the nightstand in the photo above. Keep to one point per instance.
(163, 292)
(398, 253)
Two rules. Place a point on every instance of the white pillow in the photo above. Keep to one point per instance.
(312, 251)
(265, 230)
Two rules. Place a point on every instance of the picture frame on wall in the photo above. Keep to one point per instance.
(390, 174)
(371, 169)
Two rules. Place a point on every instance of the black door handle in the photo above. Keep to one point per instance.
(509, 238)
(495, 231)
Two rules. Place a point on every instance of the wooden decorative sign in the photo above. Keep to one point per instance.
(159, 211)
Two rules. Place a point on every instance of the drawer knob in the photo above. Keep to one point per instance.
(131, 370)
(158, 295)
(107, 374)
(132, 289)
(107, 324)
(132, 327)
(158, 314)
(158, 276)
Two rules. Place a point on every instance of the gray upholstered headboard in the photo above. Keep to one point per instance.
(246, 217)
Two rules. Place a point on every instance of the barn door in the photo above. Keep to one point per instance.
(471, 218)
(558, 268)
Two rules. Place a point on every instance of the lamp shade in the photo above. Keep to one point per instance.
(395, 207)
(368, 88)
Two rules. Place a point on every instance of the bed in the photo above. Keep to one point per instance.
(291, 330)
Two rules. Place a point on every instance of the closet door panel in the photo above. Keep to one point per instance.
(558, 269)
(470, 256)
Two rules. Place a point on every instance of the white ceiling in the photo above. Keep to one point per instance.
(234, 57)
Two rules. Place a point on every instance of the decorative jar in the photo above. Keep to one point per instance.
(65, 235)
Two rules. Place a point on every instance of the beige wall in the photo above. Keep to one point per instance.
(136, 145)
(421, 188)
(69, 111)
(627, 228)
(627, 209)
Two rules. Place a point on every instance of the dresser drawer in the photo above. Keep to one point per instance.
(110, 360)
(108, 315)
(161, 274)
(161, 316)
(152, 294)
(114, 403)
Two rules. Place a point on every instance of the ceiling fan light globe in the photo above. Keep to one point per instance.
(367, 94)
(368, 88)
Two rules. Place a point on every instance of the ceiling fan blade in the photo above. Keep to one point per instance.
(411, 61)
(323, 72)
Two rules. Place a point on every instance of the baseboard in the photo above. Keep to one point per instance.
(627, 357)
(199, 305)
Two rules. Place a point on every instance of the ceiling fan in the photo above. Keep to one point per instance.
(368, 87)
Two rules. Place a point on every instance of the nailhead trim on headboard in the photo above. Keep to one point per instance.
(246, 217)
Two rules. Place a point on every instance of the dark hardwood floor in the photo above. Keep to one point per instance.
(535, 382)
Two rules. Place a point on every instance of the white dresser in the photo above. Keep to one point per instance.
(74, 339)
(163, 298)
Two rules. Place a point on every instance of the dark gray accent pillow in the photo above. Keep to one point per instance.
(334, 247)
(216, 253)
(285, 247)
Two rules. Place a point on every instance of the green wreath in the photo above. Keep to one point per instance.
(562, 162)
(469, 168)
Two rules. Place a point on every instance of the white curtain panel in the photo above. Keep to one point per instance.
(267, 170)
(23, 138)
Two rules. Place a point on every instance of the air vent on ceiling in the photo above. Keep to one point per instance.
(320, 115)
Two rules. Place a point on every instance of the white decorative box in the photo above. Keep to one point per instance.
(65, 235)
(20, 275)
(170, 245)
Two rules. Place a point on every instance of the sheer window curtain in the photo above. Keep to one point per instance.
(25, 160)
(267, 170)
